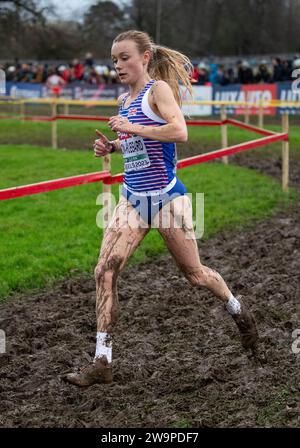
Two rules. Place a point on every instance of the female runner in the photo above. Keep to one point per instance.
(149, 124)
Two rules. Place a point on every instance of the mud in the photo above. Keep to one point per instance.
(269, 164)
(177, 356)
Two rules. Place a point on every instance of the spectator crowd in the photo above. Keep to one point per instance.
(241, 72)
(244, 72)
(75, 71)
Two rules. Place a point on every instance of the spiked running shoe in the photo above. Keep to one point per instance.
(99, 371)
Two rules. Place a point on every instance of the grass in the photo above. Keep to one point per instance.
(71, 134)
(52, 235)
(182, 423)
(275, 409)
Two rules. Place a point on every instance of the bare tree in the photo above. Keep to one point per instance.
(101, 24)
(27, 9)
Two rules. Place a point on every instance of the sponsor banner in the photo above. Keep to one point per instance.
(245, 92)
(289, 91)
(253, 93)
(75, 91)
(200, 93)
(95, 93)
(23, 90)
(227, 93)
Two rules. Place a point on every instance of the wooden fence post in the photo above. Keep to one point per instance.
(285, 154)
(260, 113)
(22, 108)
(54, 125)
(224, 132)
(107, 189)
(247, 111)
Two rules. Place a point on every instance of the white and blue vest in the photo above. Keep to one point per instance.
(149, 165)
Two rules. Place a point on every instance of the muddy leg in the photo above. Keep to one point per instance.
(119, 242)
(182, 244)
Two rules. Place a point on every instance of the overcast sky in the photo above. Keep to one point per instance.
(68, 9)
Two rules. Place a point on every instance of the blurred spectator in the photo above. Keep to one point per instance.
(222, 77)
(287, 70)
(263, 75)
(203, 74)
(213, 73)
(11, 73)
(278, 70)
(25, 74)
(65, 73)
(39, 74)
(93, 76)
(54, 83)
(195, 75)
(106, 71)
(113, 76)
(78, 70)
(296, 63)
(89, 61)
(230, 75)
(245, 74)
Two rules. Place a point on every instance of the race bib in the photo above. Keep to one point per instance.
(135, 153)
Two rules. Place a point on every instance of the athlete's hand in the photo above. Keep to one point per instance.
(102, 145)
(119, 123)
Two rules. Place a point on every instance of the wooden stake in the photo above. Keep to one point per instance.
(247, 111)
(285, 154)
(107, 189)
(224, 133)
(261, 113)
(54, 125)
(22, 109)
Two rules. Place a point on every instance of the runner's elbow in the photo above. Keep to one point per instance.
(182, 135)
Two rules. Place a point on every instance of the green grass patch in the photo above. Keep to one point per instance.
(71, 134)
(182, 423)
(275, 409)
(46, 237)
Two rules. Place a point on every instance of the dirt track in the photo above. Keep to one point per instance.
(177, 356)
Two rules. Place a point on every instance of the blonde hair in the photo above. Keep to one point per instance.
(165, 63)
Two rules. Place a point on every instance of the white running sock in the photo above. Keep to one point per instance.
(233, 306)
(103, 346)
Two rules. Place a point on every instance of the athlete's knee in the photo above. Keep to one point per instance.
(108, 270)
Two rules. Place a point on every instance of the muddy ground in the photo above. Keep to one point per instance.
(177, 356)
